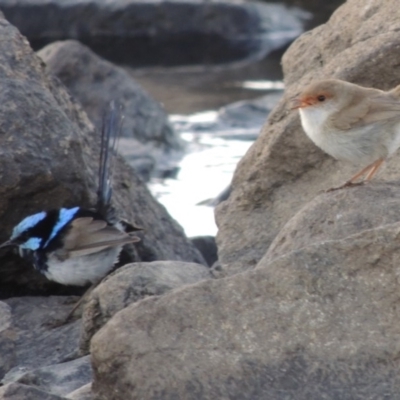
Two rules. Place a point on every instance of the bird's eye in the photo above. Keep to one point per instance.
(321, 98)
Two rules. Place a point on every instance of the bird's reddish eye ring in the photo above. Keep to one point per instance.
(321, 98)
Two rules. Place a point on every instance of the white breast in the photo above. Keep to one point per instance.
(82, 270)
(362, 145)
(313, 121)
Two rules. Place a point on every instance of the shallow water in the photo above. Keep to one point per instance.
(205, 171)
(203, 174)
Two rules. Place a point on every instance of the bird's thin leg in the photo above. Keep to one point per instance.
(377, 164)
(370, 168)
(364, 171)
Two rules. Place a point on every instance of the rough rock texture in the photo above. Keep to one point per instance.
(284, 169)
(7, 340)
(332, 216)
(16, 391)
(132, 283)
(60, 379)
(49, 158)
(94, 82)
(37, 343)
(315, 323)
(159, 32)
(42, 350)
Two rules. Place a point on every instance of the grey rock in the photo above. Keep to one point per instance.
(94, 82)
(83, 393)
(207, 247)
(60, 379)
(163, 33)
(315, 323)
(284, 170)
(7, 340)
(338, 214)
(50, 154)
(38, 343)
(16, 391)
(130, 284)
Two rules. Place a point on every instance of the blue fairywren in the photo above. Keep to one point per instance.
(77, 246)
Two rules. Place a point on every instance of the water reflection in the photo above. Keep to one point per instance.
(204, 173)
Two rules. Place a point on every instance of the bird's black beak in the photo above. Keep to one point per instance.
(8, 243)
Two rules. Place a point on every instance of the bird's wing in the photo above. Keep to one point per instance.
(348, 117)
(380, 106)
(87, 236)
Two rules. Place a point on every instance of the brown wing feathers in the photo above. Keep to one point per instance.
(87, 235)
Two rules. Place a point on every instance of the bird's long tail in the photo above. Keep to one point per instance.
(110, 134)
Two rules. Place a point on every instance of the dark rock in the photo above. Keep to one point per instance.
(283, 170)
(16, 391)
(60, 379)
(7, 340)
(315, 323)
(94, 82)
(163, 33)
(37, 343)
(50, 159)
(207, 247)
(132, 283)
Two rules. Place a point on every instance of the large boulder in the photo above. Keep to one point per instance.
(314, 323)
(94, 82)
(130, 284)
(283, 169)
(50, 155)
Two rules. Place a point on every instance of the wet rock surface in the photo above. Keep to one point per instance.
(94, 82)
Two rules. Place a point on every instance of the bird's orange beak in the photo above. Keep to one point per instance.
(301, 102)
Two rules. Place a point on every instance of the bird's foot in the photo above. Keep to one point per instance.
(345, 185)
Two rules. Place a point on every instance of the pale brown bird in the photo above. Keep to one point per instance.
(352, 123)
